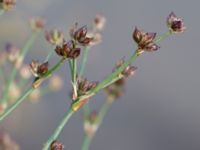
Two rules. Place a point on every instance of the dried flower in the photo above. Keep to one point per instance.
(55, 83)
(68, 50)
(99, 22)
(37, 24)
(175, 24)
(128, 71)
(55, 37)
(91, 124)
(7, 4)
(115, 90)
(80, 35)
(83, 86)
(97, 38)
(145, 40)
(55, 145)
(38, 69)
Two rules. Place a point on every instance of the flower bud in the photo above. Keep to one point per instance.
(54, 37)
(175, 24)
(37, 24)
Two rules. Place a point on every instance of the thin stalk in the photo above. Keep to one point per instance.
(54, 68)
(74, 76)
(86, 143)
(71, 67)
(162, 37)
(14, 71)
(84, 61)
(17, 103)
(58, 130)
(74, 64)
(86, 108)
(49, 55)
(2, 12)
(28, 45)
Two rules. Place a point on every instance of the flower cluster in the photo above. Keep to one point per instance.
(175, 24)
(145, 40)
(116, 89)
(38, 69)
(68, 50)
(55, 145)
(80, 35)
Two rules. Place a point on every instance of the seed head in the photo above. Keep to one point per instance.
(38, 69)
(55, 37)
(128, 71)
(68, 50)
(145, 40)
(55, 145)
(80, 35)
(175, 24)
(83, 86)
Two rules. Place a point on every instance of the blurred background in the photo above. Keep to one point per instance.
(160, 109)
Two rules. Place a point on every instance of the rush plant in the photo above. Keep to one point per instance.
(17, 88)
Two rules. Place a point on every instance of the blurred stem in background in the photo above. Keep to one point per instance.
(2, 11)
(13, 74)
(86, 108)
(30, 90)
(98, 121)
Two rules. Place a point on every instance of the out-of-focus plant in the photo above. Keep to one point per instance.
(16, 79)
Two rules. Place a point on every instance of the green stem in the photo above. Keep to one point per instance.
(71, 68)
(17, 103)
(86, 143)
(2, 12)
(84, 61)
(14, 71)
(28, 45)
(162, 37)
(58, 130)
(54, 68)
(82, 69)
(49, 56)
(104, 109)
(74, 65)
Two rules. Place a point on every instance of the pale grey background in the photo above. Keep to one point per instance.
(161, 107)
